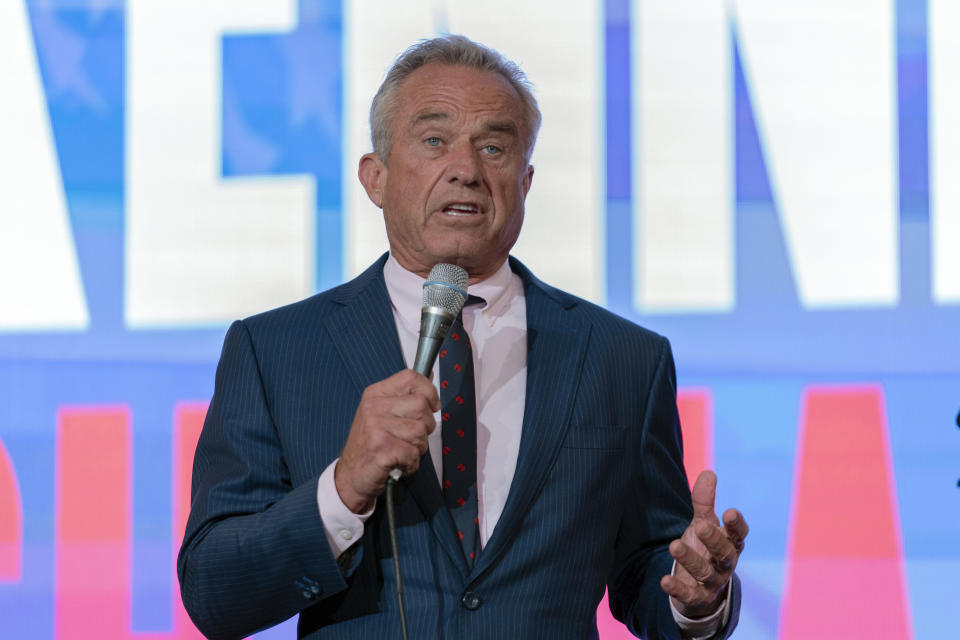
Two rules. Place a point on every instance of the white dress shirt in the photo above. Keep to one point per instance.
(498, 334)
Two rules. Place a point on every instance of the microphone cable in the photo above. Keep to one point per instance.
(392, 482)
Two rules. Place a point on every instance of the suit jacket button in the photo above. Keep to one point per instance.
(471, 600)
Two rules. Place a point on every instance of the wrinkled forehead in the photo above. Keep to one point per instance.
(438, 93)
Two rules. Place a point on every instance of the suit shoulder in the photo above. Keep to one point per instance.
(606, 322)
(615, 329)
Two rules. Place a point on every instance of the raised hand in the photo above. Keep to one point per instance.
(390, 429)
(706, 554)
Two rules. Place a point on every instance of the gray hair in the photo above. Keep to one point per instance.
(451, 50)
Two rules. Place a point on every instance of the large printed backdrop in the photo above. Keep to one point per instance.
(771, 185)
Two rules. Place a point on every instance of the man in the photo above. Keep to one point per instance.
(577, 479)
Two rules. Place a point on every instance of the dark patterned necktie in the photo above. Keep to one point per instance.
(459, 434)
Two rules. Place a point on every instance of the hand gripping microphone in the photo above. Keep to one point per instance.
(444, 294)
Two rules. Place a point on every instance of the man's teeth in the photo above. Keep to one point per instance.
(460, 209)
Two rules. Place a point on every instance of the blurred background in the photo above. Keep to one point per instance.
(772, 185)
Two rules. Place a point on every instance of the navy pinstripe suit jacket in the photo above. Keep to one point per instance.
(598, 494)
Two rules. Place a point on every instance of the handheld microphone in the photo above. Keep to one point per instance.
(444, 294)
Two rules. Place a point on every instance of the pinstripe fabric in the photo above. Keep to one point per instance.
(598, 494)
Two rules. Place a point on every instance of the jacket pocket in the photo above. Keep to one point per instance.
(604, 437)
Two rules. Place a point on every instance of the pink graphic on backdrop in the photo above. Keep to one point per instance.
(93, 530)
(188, 421)
(11, 522)
(92, 540)
(696, 421)
(845, 573)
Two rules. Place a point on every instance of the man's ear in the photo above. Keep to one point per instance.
(373, 176)
(527, 180)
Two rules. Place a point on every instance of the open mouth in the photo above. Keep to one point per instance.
(461, 209)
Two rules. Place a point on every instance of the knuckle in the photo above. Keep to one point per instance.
(383, 460)
(710, 536)
(414, 429)
(379, 441)
(704, 571)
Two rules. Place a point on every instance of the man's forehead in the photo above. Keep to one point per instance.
(444, 93)
(442, 83)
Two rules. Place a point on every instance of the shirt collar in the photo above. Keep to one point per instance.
(405, 289)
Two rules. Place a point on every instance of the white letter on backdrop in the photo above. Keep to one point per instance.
(40, 286)
(822, 80)
(682, 157)
(944, 57)
(202, 249)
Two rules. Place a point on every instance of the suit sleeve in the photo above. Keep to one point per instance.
(659, 510)
(254, 552)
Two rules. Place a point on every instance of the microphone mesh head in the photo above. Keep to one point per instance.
(451, 294)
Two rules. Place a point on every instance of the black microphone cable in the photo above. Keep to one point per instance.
(392, 482)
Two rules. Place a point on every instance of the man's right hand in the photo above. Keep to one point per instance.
(389, 429)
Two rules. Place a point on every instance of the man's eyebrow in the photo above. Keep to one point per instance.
(429, 116)
(492, 126)
(501, 126)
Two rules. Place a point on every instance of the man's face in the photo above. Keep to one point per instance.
(453, 187)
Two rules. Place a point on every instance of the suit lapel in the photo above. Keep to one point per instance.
(365, 335)
(364, 331)
(556, 342)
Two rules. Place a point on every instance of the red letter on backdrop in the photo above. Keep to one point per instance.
(11, 522)
(93, 532)
(93, 525)
(845, 573)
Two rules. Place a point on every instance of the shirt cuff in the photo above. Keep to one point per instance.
(702, 628)
(342, 526)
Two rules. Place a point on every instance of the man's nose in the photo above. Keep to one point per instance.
(464, 165)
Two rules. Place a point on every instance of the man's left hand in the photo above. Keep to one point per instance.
(706, 554)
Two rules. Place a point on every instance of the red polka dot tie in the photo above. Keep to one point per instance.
(459, 434)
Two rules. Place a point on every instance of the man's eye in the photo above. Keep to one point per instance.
(433, 141)
(492, 149)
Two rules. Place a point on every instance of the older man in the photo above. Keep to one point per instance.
(557, 469)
